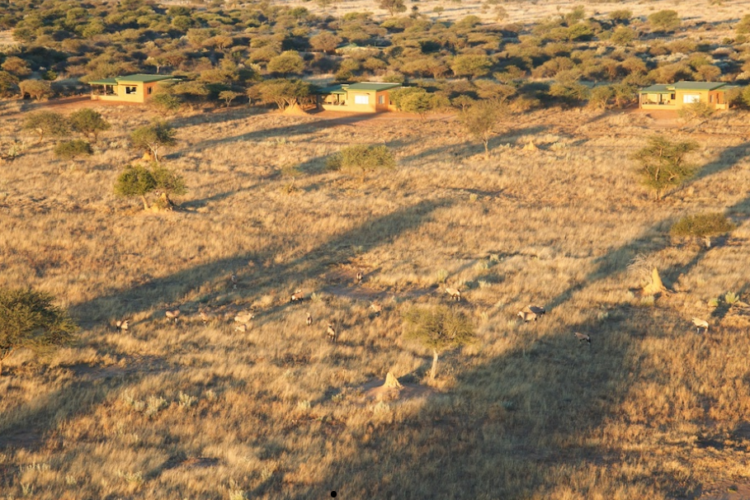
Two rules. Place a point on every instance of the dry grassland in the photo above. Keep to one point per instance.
(652, 410)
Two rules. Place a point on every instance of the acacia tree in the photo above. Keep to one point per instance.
(287, 62)
(438, 329)
(392, 6)
(228, 96)
(152, 138)
(28, 319)
(325, 42)
(663, 163)
(480, 119)
(37, 89)
(88, 122)
(46, 123)
(471, 65)
(282, 92)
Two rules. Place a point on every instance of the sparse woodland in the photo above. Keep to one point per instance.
(202, 297)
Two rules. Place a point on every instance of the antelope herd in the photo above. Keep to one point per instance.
(243, 319)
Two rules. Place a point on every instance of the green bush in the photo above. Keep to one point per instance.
(139, 181)
(702, 225)
(664, 21)
(28, 319)
(362, 157)
(696, 110)
(69, 150)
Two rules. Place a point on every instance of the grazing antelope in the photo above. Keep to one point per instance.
(297, 296)
(531, 313)
(309, 319)
(122, 325)
(700, 323)
(359, 277)
(240, 328)
(376, 308)
(331, 333)
(244, 317)
(234, 281)
(455, 293)
(583, 338)
(173, 315)
(205, 317)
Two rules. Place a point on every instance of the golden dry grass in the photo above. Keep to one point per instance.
(651, 410)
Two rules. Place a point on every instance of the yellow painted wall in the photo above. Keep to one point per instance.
(140, 95)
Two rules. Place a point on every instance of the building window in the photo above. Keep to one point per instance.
(691, 98)
(671, 96)
(130, 90)
(381, 99)
(361, 99)
(150, 89)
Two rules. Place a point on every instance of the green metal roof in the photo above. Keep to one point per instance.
(656, 89)
(697, 85)
(141, 78)
(104, 81)
(371, 86)
(666, 89)
(333, 89)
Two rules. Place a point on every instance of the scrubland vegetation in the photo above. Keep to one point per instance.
(418, 237)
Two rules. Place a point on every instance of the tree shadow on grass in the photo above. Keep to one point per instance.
(91, 387)
(169, 290)
(300, 128)
(465, 150)
(525, 422)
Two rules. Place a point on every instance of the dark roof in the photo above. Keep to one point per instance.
(372, 86)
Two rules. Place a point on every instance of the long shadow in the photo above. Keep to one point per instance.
(305, 127)
(466, 150)
(520, 424)
(89, 389)
(171, 289)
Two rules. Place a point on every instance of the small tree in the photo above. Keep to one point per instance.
(703, 226)
(152, 138)
(88, 122)
(471, 65)
(664, 21)
(283, 92)
(37, 89)
(438, 329)
(228, 96)
(663, 163)
(392, 6)
(46, 123)
(139, 181)
(69, 150)
(8, 84)
(480, 119)
(287, 62)
(325, 42)
(28, 319)
(364, 158)
(165, 101)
